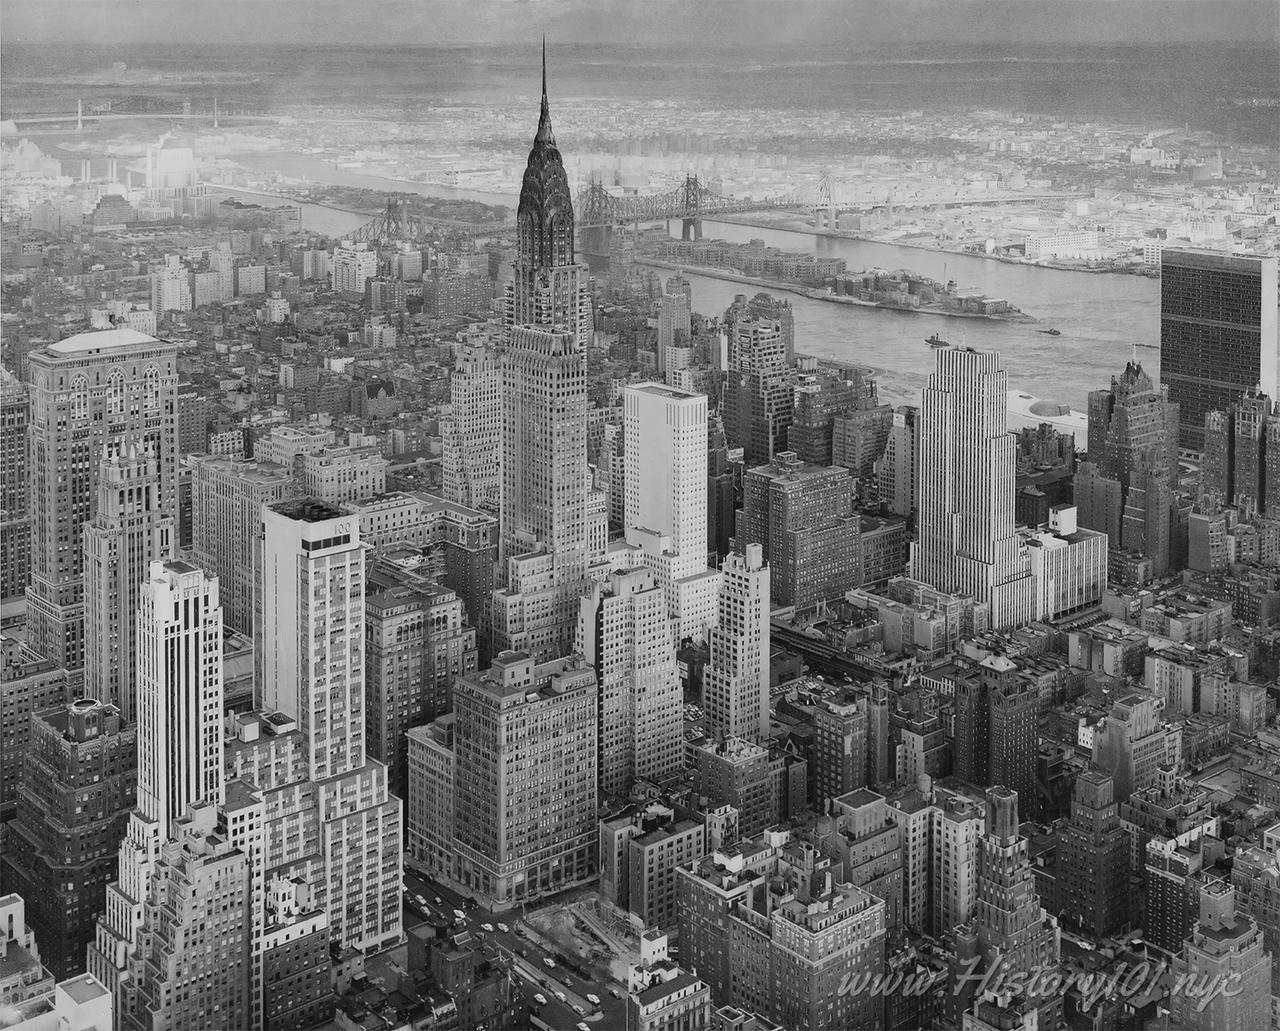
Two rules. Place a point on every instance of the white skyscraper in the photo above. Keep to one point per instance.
(179, 692)
(665, 512)
(471, 430)
(735, 682)
(127, 533)
(310, 648)
(353, 266)
(180, 697)
(625, 633)
(968, 542)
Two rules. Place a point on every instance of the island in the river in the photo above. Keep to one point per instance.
(822, 278)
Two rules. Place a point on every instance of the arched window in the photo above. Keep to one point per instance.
(79, 398)
(151, 388)
(115, 393)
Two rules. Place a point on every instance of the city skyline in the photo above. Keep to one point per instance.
(575, 606)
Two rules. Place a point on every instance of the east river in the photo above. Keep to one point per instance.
(1104, 318)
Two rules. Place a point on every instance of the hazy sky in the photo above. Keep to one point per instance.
(652, 22)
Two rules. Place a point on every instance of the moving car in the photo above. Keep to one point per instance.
(540, 999)
(503, 928)
(459, 914)
(560, 995)
(593, 999)
(488, 928)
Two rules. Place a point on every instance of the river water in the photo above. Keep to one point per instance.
(1103, 318)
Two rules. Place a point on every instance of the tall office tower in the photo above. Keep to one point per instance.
(759, 390)
(417, 644)
(1241, 464)
(735, 682)
(1093, 858)
(227, 495)
(353, 266)
(192, 969)
(1225, 950)
(1012, 927)
(802, 518)
(995, 735)
(127, 533)
(15, 521)
(1131, 744)
(90, 395)
(180, 696)
(968, 542)
(1218, 334)
(179, 666)
(625, 633)
(471, 429)
(311, 664)
(722, 504)
(665, 510)
(525, 778)
(673, 309)
(170, 286)
(896, 468)
(78, 784)
(1126, 489)
(543, 550)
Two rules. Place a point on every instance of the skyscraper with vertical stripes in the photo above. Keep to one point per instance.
(968, 542)
(544, 481)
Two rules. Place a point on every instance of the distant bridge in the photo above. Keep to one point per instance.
(80, 117)
(398, 221)
(597, 211)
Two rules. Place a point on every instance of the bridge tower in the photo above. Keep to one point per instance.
(690, 202)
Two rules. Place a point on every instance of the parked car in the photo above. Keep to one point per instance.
(593, 999)
(549, 962)
(540, 999)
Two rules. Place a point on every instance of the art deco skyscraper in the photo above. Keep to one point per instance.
(179, 692)
(127, 533)
(967, 463)
(1126, 488)
(90, 394)
(543, 546)
(180, 695)
(735, 682)
(549, 291)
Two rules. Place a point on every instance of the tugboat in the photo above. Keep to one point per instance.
(937, 341)
(1050, 332)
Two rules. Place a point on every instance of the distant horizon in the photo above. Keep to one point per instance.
(657, 23)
